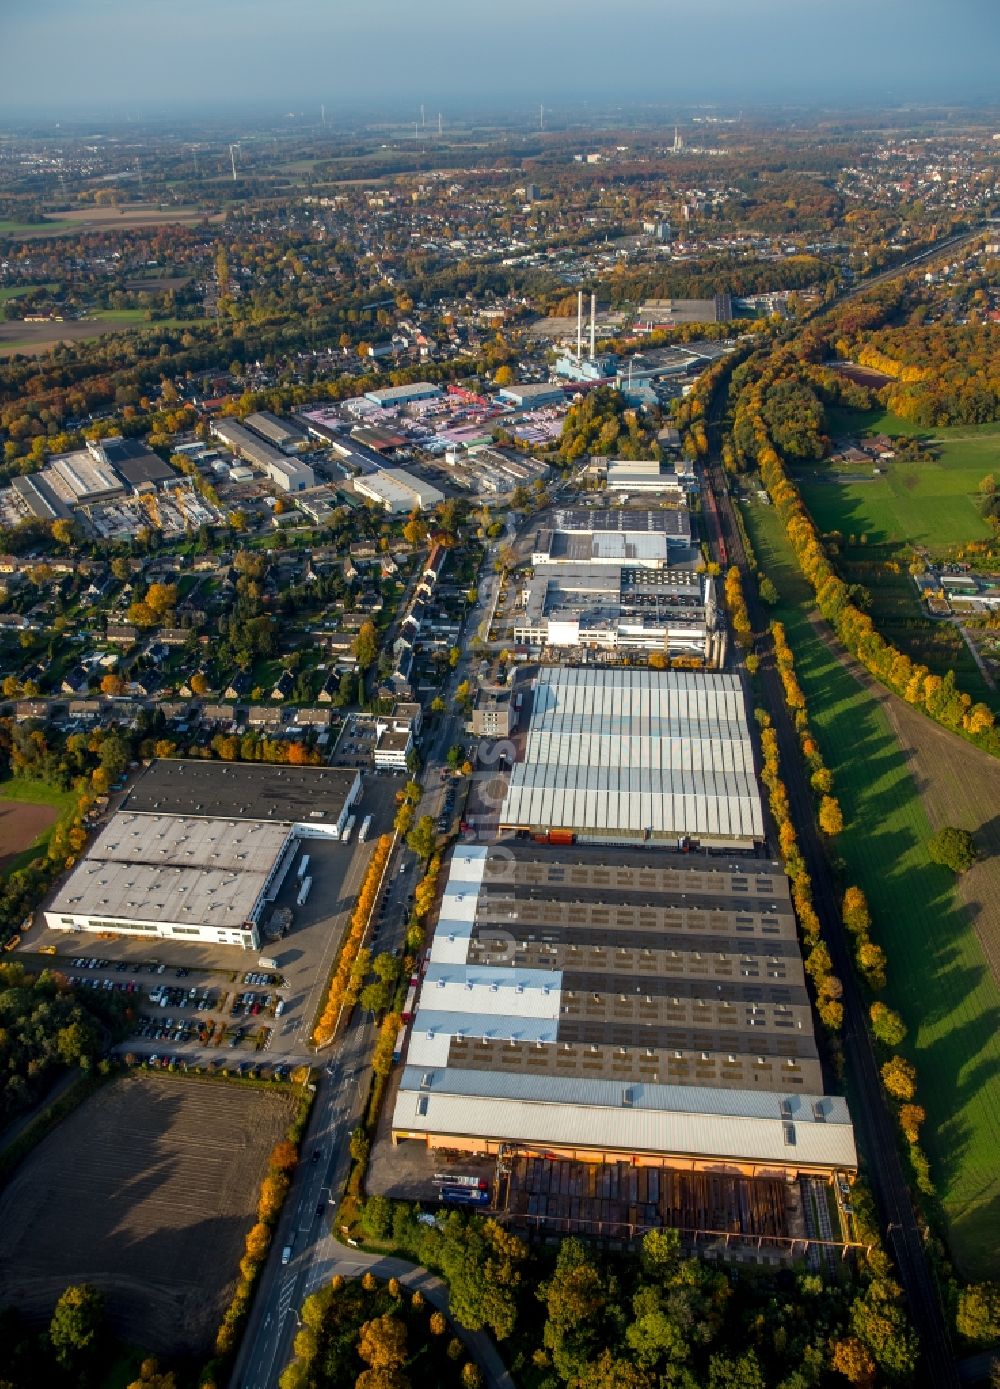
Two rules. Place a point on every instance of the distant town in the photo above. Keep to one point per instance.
(499, 657)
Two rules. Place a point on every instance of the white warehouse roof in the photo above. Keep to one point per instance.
(742, 1126)
(631, 750)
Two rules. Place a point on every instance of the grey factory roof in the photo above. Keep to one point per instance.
(169, 868)
(680, 1120)
(671, 521)
(189, 841)
(275, 429)
(633, 751)
(144, 892)
(242, 791)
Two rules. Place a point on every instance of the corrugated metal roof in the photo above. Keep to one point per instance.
(689, 1099)
(625, 1128)
(667, 752)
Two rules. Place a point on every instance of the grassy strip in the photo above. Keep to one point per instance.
(35, 793)
(938, 980)
(340, 995)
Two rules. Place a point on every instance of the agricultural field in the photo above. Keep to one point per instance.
(932, 504)
(89, 219)
(8, 292)
(147, 1190)
(939, 976)
(32, 338)
(28, 810)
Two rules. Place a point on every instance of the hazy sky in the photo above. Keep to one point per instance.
(65, 57)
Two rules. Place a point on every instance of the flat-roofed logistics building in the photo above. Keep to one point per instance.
(177, 877)
(389, 396)
(398, 491)
(288, 474)
(314, 801)
(619, 756)
(650, 1006)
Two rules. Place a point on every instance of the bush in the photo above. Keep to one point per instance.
(953, 848)
(376, 1218)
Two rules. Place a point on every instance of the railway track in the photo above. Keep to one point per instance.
(875, 1125)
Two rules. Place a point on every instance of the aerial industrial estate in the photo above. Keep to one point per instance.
(499, 864)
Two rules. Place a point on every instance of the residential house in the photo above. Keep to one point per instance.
(75, 682)
(218, 713)
(313, 718)
(263, 716)
(28, 709)
(283, 686)
(239, 686)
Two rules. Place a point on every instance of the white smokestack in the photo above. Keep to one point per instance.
(593, 325)
(579, 324)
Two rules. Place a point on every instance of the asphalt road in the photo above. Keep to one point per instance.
(341, 1095)
(874, 1124)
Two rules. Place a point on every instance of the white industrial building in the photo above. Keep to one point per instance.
(397, 491)
(287, 474)
(533, 395)
(631, 756)
(638, 538)
(386, 397)
(644, 476)
(652, 1007)
(605, 607)
(199, 849)
(196, 879)
(393, 743)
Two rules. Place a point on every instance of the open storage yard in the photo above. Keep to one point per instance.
(147, 1191)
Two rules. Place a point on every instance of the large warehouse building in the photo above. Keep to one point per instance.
(199, 849)
(640, 538)
(652, 1008)
(619, 756)
(181, 878)
(614, 607)
(314, 801)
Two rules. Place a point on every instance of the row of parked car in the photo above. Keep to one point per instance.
(172, 997)
(447, 810)
(90, 981)
(123, 966)
(253, 1069)
(255, 977)
(252, 1004)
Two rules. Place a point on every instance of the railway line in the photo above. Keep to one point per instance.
(875, 1125)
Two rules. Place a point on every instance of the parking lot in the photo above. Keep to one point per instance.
(274, 1013)
(356, 745)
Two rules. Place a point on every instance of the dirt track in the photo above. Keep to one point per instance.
(147, 1191)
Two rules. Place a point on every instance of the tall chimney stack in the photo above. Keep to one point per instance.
(579, 324)
(593, 325)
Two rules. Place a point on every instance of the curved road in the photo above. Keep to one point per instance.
(352, 1263)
